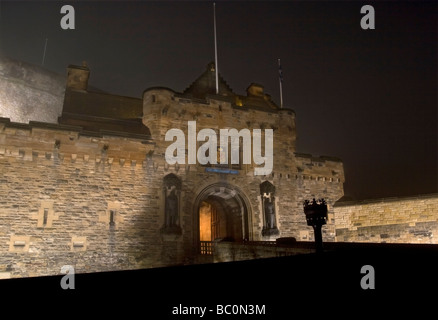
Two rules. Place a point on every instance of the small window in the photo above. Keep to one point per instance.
(111, 218)
(45, 215)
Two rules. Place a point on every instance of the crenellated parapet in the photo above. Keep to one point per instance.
(323, 168)
(62, 143)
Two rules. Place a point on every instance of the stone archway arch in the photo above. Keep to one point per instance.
(232, 204)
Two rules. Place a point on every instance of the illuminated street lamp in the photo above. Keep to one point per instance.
(316, 216)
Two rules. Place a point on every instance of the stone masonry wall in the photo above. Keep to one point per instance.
(296, 177)
(61, 190)
(58, 189)
(392, 220)
(165, 110)
(320, 177)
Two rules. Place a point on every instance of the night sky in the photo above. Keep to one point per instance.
(368, 97)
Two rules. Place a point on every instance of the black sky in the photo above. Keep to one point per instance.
(368, 97)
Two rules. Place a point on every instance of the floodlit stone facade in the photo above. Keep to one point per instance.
(86, 183)
(95, 191)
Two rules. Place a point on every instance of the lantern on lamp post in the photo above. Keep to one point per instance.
(316, 216)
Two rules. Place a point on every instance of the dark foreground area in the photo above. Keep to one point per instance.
(405, 278)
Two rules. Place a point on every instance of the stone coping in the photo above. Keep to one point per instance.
(385, 200)
(80, 130)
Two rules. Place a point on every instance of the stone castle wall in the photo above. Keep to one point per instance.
(296, 177)
(62, 187)
(321, 177)
(96, 200)
(392, 220)
(58, 189)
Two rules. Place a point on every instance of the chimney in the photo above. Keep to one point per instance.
(77, 76)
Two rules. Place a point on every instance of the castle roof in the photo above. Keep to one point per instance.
(206, 84)
(96, 111)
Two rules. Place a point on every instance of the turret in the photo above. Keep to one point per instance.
(156, 114)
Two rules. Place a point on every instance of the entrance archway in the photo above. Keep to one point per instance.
(222, 212)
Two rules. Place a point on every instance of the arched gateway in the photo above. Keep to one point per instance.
(221, 211)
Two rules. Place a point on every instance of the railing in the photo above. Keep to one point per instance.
(206, 247)
(260, 243)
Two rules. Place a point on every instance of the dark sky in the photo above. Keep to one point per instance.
(368, 97)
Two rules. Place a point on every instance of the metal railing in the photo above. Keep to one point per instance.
(206, 247)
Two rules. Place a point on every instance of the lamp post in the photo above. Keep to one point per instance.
(316, 216)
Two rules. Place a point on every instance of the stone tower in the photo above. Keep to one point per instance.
(243, 206)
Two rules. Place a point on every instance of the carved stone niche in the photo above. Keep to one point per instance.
(267, 195)
(172, 195)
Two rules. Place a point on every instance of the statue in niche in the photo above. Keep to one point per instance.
(171, 189)
(267, 193)
(269, 213)
(171, 209)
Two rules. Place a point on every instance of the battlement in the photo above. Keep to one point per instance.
(160, 103)
(314, 159)
(43, 141)
(323, 168)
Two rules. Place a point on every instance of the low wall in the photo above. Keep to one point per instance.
(238, 251)
(392, 220)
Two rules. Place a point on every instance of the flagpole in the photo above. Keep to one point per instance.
(44, 53)
(280, 80)
(215, 50)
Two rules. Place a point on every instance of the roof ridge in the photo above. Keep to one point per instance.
(205, 83)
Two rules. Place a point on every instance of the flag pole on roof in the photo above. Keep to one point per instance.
(280, 80)
(44, 53)
(215, 50)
